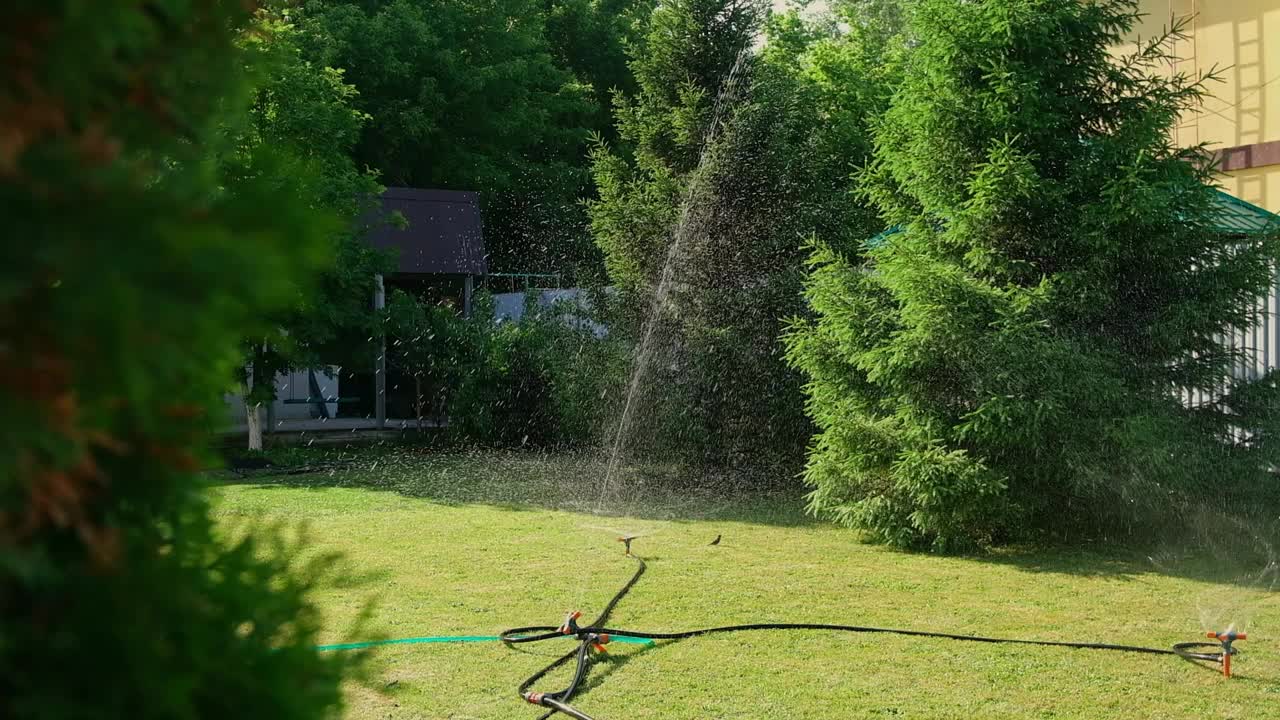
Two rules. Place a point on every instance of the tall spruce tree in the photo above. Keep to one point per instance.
(1009, 361)
(730, 208)
(693, 51)
(690, 52)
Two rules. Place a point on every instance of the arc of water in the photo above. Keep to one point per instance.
(665, 279)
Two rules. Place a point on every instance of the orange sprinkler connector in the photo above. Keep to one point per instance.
(600, 642)
(533, 698)
(570, 625)
(1227, 638)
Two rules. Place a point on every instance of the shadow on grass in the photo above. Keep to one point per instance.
(524, 481)
(350, 578)
(601, 670)
(531, 481)
(1129, 559)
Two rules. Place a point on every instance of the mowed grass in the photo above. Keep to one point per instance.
(474, 544)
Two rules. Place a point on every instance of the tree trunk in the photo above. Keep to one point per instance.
(253, 417)
(253, 409)
(417, 400)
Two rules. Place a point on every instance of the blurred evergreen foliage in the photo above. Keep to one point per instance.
(129, 274)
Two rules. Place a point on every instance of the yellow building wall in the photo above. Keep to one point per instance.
(1241, 38)
(1260, 186)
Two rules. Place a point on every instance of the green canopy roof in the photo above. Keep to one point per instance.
(1235, 217)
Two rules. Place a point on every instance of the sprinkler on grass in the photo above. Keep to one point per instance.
(626, 541)
(598, 641)
(1226, 639)
(570, 626)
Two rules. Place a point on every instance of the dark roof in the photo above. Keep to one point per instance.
(1235, 218)
(444, 235)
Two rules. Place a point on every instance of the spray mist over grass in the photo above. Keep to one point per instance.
(656, 341)
(1231, 543)
(646, 496)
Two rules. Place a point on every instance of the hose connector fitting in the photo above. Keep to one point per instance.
(598, 641)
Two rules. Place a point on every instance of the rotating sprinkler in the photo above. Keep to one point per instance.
(626, 541)
(570, 626)
(1225, 641)
(592, 638)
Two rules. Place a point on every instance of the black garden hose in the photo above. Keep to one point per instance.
(558, 701)
(595, 633)
(1187, 651)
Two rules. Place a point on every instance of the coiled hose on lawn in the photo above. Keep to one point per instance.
(596, 634)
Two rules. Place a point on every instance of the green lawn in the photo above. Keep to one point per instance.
(473, 544)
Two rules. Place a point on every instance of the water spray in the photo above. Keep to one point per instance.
(667, 279)
(593, 637)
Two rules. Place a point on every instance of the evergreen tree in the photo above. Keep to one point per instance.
(645, 209)
(130, 279)
(730, 214)
(691, 49)
(1010, 360)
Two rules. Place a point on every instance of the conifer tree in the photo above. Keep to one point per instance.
(1011, 360)
(729, 209)
(692, 49)
(127, 278)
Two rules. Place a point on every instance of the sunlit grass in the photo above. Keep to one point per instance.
(471, 544)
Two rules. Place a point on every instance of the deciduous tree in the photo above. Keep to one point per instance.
(468, 95)
(303, 113)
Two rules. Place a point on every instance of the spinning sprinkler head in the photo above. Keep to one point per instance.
(1226, 639)
(626, 541)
